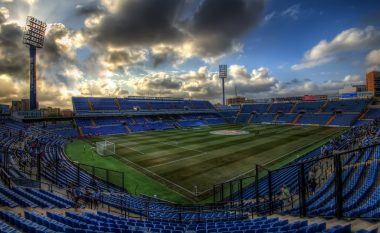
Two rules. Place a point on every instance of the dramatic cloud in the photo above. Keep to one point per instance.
(173, 31)
(140, 23)
(205, 84)
(353, 39)
(13, 55)
(217, 25)
(90, 8)
(259, 80)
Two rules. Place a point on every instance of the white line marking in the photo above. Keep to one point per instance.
(299, 148)
(177, 160)
(181, 147)
(123, 145)
(154, 174)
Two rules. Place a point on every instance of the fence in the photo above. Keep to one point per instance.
(110, 177)
(340, 184)
(83, 174)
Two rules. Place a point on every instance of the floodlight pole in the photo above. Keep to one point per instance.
(34, 35)
(224, 97)
(33, 81)
(222, 76)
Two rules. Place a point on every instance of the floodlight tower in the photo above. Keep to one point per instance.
(34, 36)
(222, 76)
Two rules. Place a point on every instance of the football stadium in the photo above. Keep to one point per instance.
(281, 158)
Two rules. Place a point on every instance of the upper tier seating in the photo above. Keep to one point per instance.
(123, 125)
(259, 108)
(281, 107)
(82, 104)
(346, 105)
(309, 106)
(103, 104)
(263, 118)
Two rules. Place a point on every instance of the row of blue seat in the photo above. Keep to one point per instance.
(308, 106)
(105, 222)
(117, 104)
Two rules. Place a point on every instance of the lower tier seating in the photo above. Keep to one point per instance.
(104, 222)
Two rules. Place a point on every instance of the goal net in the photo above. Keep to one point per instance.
(105, 148)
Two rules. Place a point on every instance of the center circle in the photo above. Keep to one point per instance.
(230, 132)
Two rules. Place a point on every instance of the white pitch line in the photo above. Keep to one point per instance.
(155, 174)
(142, 153)
(181, 147)
(166, 143)
(177, 160)
(293, 151)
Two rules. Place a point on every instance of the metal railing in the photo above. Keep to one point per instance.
(343, 184)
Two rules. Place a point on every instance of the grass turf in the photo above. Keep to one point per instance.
(170, 163)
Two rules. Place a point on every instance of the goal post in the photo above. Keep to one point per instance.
(105, 148)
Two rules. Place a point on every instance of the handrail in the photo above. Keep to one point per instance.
(5, 177)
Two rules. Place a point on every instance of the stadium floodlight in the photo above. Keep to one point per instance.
(223, 75)
(34, 36)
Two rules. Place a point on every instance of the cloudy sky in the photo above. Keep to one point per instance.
(173, 47)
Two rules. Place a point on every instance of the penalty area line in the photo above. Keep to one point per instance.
(156, 175)
(121, 145)
(177, 160)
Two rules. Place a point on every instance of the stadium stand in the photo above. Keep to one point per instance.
(286, 118)
(320, 119)
(105, 222)
(347, 105)
(263, 118)
(153, 114)
(359, 172)
(309, 106)
(228, 113)
(258, 108)
(372, 113)
(280, 107)
(334, 113)
(344, 119)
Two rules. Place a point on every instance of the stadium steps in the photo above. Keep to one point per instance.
(177, 125)
(275, 118)
(363, 114)
(237, 117)
(250, 118)
(331, 119)
(296, 119)
(269, 107)
(323, 106)
(90, 106)
(117, 104)
(129, 130)
(93, 123)
(355, 224)
(80, 131)
(293, 108)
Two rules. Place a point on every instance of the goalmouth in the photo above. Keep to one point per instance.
(105, 148)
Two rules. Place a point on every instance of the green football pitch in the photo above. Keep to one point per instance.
(171, 163)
